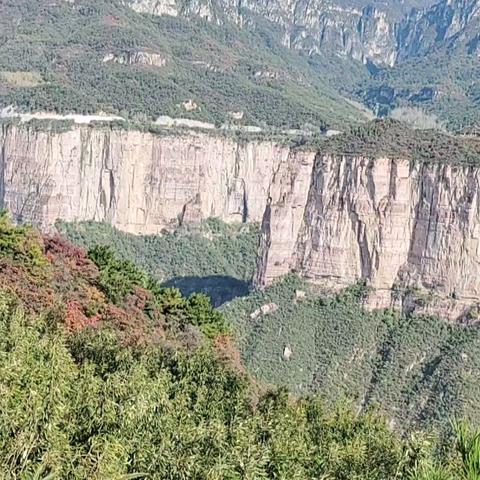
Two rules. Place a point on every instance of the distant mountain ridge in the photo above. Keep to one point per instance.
(422, 54)
(383, 32)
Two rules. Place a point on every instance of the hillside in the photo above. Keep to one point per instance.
(106, 375)
(388, 54)
(100, 56)
(246, 63)
(421, 371)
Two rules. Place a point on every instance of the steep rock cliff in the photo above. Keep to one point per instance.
(364, 31)
(412, 232)
(139, 182)
(449, 23)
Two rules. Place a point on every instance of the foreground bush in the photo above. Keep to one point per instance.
(104, 374)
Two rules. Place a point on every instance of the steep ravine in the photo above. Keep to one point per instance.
(411, 231)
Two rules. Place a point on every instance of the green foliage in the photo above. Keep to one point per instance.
(215, 65)
(396, 140)
(421, 371)
(20, 244)
(468, 445)
(119, 278)
(200, 313)
(86, 407)
(216, 259)
(80, 400)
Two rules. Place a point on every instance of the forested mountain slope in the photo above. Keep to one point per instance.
(262, 63)
(89, 56)
(420, 370)
(415, 54)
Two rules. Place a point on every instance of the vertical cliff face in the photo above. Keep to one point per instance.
(410, 231)
(139, 182)
(403, 227)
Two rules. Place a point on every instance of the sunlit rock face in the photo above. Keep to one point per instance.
(139, 182)
(382, 33)
(361, 32)
(398, 226)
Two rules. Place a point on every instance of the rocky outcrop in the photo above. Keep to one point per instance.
(449, 23)
(140, 182)
(154, 7)
(378, 32)
(136, 57)
(409, 231)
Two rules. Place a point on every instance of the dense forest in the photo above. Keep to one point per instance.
(213, 258)
(420, 371)
(105, 374)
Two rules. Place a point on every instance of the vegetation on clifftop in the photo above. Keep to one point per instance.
(393, 139)
(54, 56)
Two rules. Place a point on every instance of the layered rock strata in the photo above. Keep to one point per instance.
(140, 182)
(407, 230)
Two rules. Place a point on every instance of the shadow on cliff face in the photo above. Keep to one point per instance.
(220, 288)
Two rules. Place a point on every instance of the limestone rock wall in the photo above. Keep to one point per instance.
(397, 226)
(139, 182)
(411, 231)
(385, 33)
(362, 31)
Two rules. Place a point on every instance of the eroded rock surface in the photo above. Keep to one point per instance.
(400, 227)
(139, 182)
